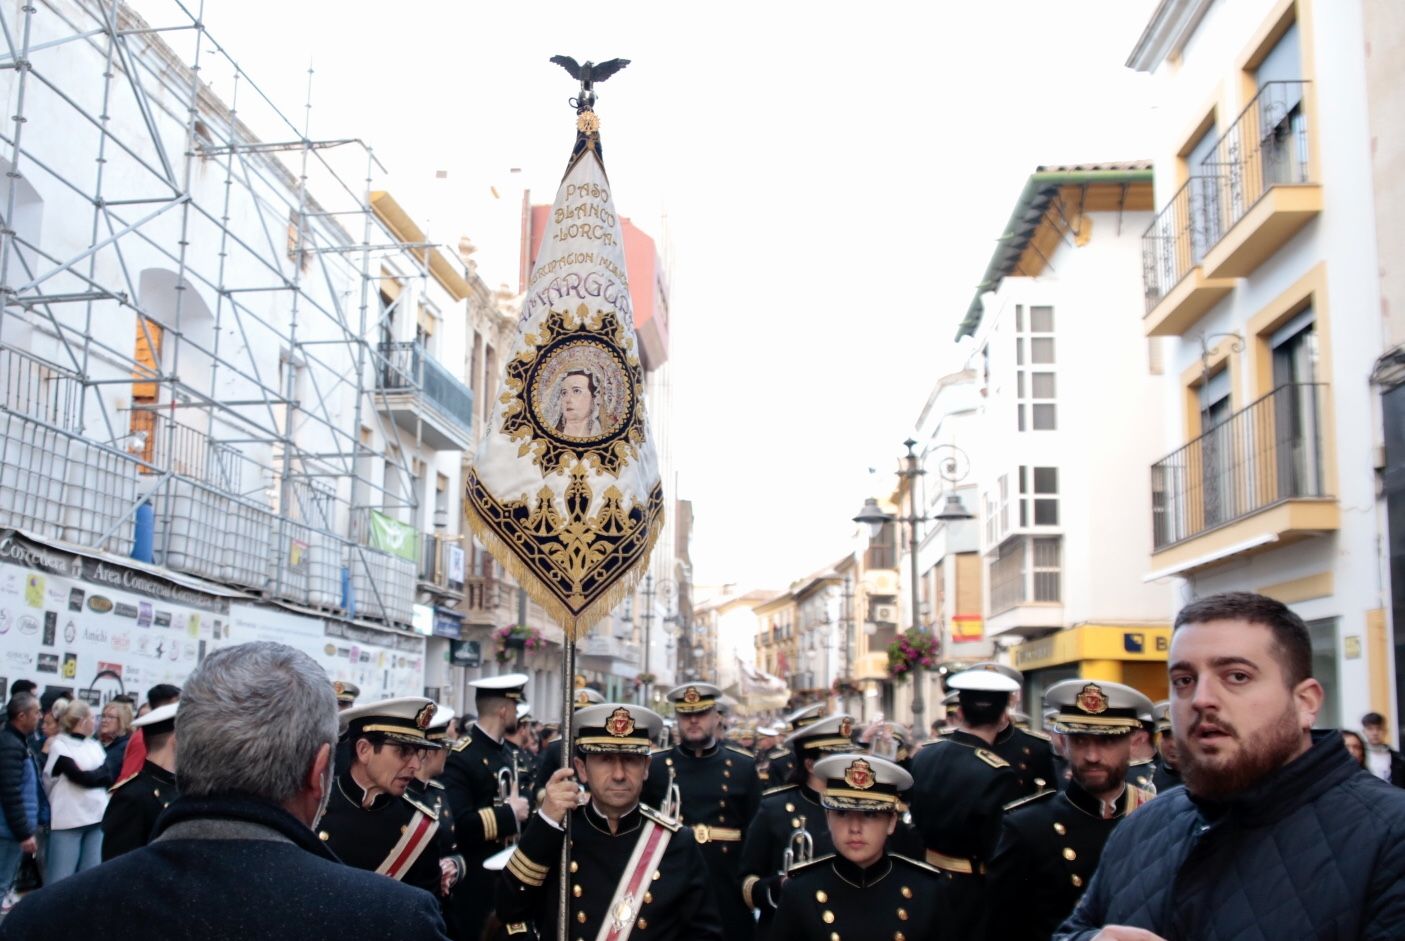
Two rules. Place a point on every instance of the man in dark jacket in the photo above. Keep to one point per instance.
(19, 786)
(1381, 760)
(235, 857)
(1278, 832)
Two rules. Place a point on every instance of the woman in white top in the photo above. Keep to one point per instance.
(75, 839)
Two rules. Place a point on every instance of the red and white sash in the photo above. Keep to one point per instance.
(623, 912)
(418, 835)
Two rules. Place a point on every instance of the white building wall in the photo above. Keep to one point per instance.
(1343, 238)
(1109, 424)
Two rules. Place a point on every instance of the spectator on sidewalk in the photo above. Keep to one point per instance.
(19, 786)
(1381, 760)
(75, 835)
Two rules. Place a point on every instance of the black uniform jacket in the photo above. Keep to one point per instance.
(226, 869)
(482, 825)
(720, 789)
(1048, 852)
(783, 809)
(1031, 758)
(678, 906)
(960, 789)
(132, 809)
(364, 836)
(831, 897)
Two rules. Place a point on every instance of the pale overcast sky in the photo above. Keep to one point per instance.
(833, 177)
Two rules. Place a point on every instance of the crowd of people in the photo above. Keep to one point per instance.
(1222, 812)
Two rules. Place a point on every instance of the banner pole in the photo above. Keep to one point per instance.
(568, 693)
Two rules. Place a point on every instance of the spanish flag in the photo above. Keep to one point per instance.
(564, 490)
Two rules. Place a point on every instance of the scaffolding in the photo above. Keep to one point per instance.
(192, 345)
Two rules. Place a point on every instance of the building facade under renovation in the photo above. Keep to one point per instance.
(237, 381)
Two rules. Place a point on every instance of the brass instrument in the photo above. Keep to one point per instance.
(673, 798)
(507, 788)
(800, 849)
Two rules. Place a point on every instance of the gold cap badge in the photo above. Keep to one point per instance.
(620, 723)
(425, 716)
(859, 775)
(1092, 700)
(691, 695)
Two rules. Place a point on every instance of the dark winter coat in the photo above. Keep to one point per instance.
(1315, 852)
(19, 786)
(226, 869)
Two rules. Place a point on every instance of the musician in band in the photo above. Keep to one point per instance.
(1030, 754)
(371, 821)
(550, 758)
(488, 810)
(720, 793)
(782, 764)
(426, 790)
(791, 819)
(863, 890)
(632, 868)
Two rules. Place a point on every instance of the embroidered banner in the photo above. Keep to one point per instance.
(565, 488)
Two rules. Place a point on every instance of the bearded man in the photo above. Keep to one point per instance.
(1278, 832)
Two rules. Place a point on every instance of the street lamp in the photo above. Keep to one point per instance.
(952, 467)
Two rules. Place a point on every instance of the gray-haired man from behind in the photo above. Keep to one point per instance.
(235, 856)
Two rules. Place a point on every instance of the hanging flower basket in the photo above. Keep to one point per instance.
(845, 687)
(912, 649)
(516, 637)
(642, 679)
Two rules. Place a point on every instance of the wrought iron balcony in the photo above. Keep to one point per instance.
(423, 397)
(1262, 191)
(1173, 246)
(1265, 455)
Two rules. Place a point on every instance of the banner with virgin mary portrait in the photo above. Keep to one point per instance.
(565, 490)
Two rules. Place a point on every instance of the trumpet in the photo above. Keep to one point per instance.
(673, 798)
(800, 849)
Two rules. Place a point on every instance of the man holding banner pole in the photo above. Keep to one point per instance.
(564, 489)
(631, 867)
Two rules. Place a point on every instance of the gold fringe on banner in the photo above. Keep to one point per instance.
(569, 549)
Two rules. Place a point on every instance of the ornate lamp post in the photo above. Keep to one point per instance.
(953, 467)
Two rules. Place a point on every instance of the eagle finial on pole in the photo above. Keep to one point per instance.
(588, 74)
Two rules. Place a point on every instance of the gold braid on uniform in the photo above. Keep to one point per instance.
(490, 823)
(525, 870)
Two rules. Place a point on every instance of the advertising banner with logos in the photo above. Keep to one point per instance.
(85, 626)
(384, 664)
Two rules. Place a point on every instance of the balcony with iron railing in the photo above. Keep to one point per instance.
(423, 397)
(1263, 189)
(1252, 193)
(1259, 478)
(1173, 246)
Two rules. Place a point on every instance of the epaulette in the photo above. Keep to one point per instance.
(433, 783)
(801, 867)
(431, 814)
(650, 813)
(991, 758)
(659, 751)
(125, 780)
(1136, 797)
(776, 790)
(1039, 735)
(739, 750)
(1141, 762)
(916, 863)
(1029, 799)
(778, 753)
(462, 743)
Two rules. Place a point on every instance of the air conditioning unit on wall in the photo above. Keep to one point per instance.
(885, 614)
